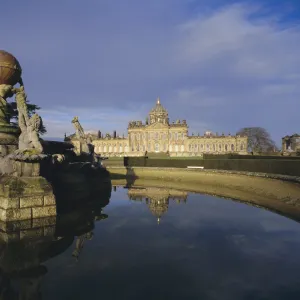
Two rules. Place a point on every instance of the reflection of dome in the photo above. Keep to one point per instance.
(10, 69)
(158, 207)
(158, 108)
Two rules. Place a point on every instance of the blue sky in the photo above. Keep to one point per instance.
(221, 65)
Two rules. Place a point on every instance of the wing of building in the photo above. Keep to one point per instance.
(291, 143)
(158, 135)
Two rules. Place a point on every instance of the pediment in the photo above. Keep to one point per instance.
(158, 126)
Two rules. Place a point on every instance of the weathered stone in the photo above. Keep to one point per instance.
(31, 201)
(41, 212)
(26, 168)
(49, 200)
(31, 233)
(15, 214)
(8, 237)
(2, 214)
(49, 231)
(42, 222)
(6, 202)
(15, 225)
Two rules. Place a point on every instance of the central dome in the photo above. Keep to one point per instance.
(158, 108)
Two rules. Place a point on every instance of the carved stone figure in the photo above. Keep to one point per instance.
(6, 91)
(78, 128)
(84, 147)
(30, 126)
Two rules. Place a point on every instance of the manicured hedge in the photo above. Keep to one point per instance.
(160, 162)
(275, 166)
(248, 156)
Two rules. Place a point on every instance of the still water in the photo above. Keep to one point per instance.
(157, 244)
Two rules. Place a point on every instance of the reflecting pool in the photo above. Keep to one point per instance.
(156, 243)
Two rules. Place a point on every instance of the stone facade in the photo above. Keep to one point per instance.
(291, 143)
(158, 135)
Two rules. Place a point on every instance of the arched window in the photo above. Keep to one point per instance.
(176, 148)
(226, 147)
(115, 148)
(242, 146)
(207, 147)
(170, 148)
(201, 147)
(110, 148)
(104, 148)
(220, 147)
(214, 147)
(165, 147)
(126, 148)
(157, 147)
(182, 148)
(232, 147)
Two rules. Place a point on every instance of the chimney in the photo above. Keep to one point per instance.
(99, 134)
(115, 134)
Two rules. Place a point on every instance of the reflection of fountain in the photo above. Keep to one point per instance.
(25, 245)
(79, 243)
(157, 199)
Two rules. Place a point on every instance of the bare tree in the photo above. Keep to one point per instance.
(259, 140)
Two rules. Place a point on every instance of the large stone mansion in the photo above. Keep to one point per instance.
(158, 135)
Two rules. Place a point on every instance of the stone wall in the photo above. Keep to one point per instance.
(26, 198)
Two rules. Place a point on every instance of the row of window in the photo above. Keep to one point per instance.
(157, 135)
(111, 148)
(214, 147)
(176, 148)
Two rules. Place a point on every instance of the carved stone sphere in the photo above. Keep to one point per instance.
(10, 69)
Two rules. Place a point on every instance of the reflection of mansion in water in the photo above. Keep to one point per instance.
(157, 199)
(158, 135)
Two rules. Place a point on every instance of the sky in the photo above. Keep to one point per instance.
(221, 65)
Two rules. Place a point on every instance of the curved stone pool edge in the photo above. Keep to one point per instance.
(279, 193)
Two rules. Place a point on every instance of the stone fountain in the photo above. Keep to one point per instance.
(29, 166)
